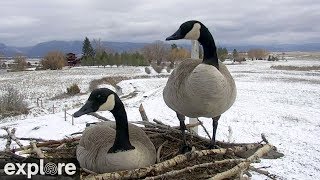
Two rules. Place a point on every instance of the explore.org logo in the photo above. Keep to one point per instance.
(41, 168)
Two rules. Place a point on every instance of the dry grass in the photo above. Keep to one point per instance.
(295, 68)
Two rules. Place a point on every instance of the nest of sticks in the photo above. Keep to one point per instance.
(229, 161)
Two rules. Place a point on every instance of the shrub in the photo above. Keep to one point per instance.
(20, 63)
(53, 60)
(295, 68)
(12, 103)
(73, 90)
(147, 70)
(157, 68)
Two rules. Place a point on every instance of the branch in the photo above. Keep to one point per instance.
(143, 113)
(51, 142)
(243, 165)
(204, 128)
(142, 172)
(13, 137)
(189, 169)
(9, 140)
(36, 149)
(159, 151)
(266, 173)
(98, 116)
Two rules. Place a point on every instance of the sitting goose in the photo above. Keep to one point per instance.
(199, 88)
(112, 146)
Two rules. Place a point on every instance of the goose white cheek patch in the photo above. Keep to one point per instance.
(194, 34)
(109, 104)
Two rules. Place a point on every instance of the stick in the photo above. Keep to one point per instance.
(9, 140)
(36, 149)
(244, 165)
(98, 116)
(142, 172)
(159, 151)
(143, 113)
(204, 128)
(173, 173)
(159, 122)
(266, 173)
(24, 138)
(51, 142)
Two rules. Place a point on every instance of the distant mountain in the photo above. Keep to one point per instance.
(39, 50)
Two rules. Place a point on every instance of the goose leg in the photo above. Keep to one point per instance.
(185, 148)
(214, 131)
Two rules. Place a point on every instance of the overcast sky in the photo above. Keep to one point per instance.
(27, 22)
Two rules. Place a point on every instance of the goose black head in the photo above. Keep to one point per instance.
(102, 99)
(188, 30)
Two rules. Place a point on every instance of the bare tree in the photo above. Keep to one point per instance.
(53, 60)
(258, 53)
(20, 62)
(177, 54)
(156, 52)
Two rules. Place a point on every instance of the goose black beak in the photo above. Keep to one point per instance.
(86, 108)
(177, 35)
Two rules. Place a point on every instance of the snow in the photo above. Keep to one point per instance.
(285, 105)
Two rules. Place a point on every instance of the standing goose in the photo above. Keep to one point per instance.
(199, 88)
(112, 146)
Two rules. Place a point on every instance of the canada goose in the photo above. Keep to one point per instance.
(112, 146)
(199, 88)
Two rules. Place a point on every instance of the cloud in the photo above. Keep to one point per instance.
(231, 22)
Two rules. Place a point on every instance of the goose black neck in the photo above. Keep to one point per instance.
(121, 142)
(209, 48)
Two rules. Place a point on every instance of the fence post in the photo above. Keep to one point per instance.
(41, 103)
(194, 55)
(65, 114)
(72, 120)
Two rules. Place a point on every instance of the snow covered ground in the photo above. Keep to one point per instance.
(285, 105)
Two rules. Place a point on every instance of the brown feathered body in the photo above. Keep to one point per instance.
(195, 89)
(92, 151)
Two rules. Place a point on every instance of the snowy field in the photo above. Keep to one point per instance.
(285, 105)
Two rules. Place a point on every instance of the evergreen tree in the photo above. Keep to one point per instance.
(88, 52)
(235, 54)
(222, 53)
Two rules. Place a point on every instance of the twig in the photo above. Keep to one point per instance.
(89, 171)
(263, 136)
(36, 149)
(159, 122)
(189, 169)
(51, 142)
(142, 172)
(98, 116)
(266, 173)
(159, 151)
(205, 129)
(243, 165)
(24, 138)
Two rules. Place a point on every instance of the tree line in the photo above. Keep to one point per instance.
(98, 55)
(157, 54)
